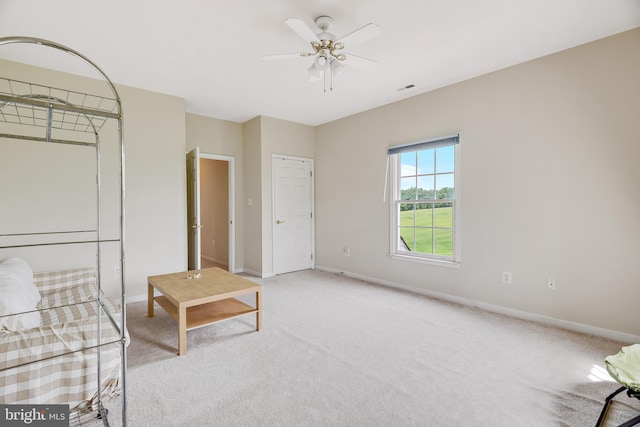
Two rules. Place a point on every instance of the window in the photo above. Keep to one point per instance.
(424, 199)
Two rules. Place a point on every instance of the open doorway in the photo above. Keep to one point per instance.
(214, 213)
(215, 243)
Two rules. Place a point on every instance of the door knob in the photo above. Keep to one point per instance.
(279, 222)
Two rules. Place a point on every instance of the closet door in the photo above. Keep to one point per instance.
(293, 219)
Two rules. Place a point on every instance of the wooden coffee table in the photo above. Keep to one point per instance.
(195, 302)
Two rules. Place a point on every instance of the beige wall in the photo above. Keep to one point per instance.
(155, 188)
(156, 240)
(154, 129)
(549, 154)
(214, 136)
(252, 256)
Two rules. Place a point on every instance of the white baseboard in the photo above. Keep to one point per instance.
(525, 315)
(136, 298)
(255, 273)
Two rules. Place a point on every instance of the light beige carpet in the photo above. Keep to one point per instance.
(340, 352)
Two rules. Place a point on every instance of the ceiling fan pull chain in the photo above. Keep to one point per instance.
(331, 75)
(324, 80)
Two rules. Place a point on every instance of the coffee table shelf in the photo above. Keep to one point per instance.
(206, 314)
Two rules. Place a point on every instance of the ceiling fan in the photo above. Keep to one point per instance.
(327, 50)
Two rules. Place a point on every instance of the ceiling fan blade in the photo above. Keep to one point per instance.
(301, 28)
(361, 35)
(283, 56)
(360, 62)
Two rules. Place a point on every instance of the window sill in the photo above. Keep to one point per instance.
(430, 261)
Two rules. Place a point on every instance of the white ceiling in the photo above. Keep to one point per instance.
(209, 51)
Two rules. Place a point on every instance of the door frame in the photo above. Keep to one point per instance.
(232, 204)
(273, 207)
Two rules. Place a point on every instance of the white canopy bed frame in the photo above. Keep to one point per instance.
(33, 113)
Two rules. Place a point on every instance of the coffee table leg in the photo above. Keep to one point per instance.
(182, 331)
(150, 301)
(259, 312)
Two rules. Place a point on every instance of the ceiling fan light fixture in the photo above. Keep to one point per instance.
(315, 73)
(316, 70)
(336, 68)
(321, 61)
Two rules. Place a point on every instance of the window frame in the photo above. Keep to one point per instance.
(395, 201)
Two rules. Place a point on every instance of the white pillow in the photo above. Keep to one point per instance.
(18, 294)
(18, 267)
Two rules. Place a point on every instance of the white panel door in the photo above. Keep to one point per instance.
(193, 209)
(293, 215)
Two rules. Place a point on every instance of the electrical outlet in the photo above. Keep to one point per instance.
(116, 271)
(347, 251)
(213, 243)
(551, 284)
(506, 277)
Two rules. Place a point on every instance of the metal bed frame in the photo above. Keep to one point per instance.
(81, 116)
